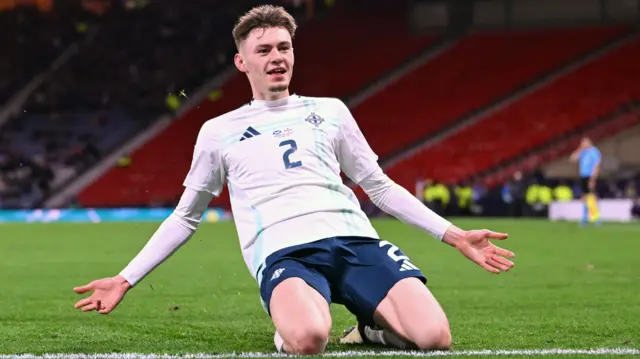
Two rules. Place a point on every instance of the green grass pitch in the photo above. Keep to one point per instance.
(571, 288)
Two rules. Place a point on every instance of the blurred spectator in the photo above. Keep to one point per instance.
(23, 179)
(436, 196)
(513, 194)
(563, 192)
(612, 190)
(630, 190)
(635, 210)
(478, 191)
(463, 193)
(538, 196)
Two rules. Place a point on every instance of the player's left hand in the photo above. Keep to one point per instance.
(475, 245)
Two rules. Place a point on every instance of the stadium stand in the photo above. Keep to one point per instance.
(573, 100)
(138, 57)
(469, 76)
(46, 150)
(149, 181)
(28, 50)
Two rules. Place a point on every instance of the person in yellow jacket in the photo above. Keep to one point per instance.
(539, 197)
(464, 194)
(436, 196)
(563, 192)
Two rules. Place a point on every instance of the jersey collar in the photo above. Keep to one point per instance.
(274, 103)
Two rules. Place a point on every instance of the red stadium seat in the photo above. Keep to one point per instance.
(572, 101)
(478, 70)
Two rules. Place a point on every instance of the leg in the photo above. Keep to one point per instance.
(591, 213)
(398, 301)
(413, 313)
(301, 317)
(592, 206)
(585, 210)
(297, 299)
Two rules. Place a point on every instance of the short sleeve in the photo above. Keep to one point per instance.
(597, 155)
(357, 159)
(207, 171)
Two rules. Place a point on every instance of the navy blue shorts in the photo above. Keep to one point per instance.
(356, 272)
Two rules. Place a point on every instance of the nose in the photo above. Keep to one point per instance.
(276, 56)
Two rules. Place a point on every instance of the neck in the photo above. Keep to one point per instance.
(270, 103)
(270, 96)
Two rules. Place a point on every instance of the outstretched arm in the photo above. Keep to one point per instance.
(398, 202)
(168, 238)
(359, 163)
(175, 231)
(204, 180)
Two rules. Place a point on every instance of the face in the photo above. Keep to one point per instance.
(266, 56)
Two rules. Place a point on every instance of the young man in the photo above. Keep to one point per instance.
(304, 237)
(588, 157)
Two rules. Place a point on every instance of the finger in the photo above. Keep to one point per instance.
(492, 262)
(495, 235)
(90, 306)
(82, 302)
(503, 261)
(84, 288)
(505, 253)
(489, 268)
(105, 309)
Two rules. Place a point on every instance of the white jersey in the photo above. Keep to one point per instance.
(281, 161)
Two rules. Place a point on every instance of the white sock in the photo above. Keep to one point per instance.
(278, 341)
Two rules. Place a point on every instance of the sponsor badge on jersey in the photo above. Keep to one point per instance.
(283, 133)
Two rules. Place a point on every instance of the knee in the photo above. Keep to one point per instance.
(309, 341)
(435, 337)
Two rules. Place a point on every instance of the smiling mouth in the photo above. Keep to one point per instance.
(277, 72)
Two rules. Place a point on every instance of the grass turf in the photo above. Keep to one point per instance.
(571, 288)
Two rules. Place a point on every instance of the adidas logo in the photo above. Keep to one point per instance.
(249, 133)
(406, 265)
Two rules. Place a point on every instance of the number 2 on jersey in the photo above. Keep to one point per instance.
(293, 147)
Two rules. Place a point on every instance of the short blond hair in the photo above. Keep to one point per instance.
(264, 16)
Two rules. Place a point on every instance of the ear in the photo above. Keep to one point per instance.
(239, 62)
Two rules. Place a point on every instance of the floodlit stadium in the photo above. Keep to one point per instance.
(172, 186)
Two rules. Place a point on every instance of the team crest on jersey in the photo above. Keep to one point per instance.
(282, 133)
(314, 119)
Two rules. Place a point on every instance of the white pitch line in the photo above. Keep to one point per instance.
(351, 353)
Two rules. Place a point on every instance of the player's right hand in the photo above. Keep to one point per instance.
(107, 293)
